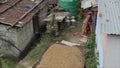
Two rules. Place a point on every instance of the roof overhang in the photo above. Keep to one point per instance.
(88, 3)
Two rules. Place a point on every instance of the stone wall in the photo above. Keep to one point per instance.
(14, 40)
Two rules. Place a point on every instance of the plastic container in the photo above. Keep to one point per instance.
(69, 5)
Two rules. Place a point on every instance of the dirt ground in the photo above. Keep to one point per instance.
(74, 35)
(62, 56)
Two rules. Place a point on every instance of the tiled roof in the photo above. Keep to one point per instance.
(109, 16)
(19, 12)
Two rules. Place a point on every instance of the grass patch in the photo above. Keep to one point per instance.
(90, 55)
(68, 29)
(44, 43)
(7, 63)
(37, 51)
(32, 57)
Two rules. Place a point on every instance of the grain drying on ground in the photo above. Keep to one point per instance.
(62, 56)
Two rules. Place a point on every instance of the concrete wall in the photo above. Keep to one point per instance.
(38, 19)
(24, 35)
(112, 56)
(14, 40)
(8, 38)
(43, 14)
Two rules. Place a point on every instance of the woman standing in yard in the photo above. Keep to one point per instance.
(86, 24)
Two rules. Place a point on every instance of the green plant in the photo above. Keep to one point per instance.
(68, 30)
(44, 43)
(40, 47)
(90, 55)
(0, 60)
(52, 24)
(7, 63)
(80, 11)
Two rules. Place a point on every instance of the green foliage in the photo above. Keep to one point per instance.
(38, 50)
(0, 60)
(7, 63)
(52, 26)
(68, 30)
(33, 55)
(90, 55)
(80, 11)
(44, 43)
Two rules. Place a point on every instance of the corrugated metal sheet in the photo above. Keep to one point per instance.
(89, 3)
(52, 1)
(11, 13)
(109, 16)
(86, 4)
(99, 50)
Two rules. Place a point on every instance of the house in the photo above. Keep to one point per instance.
(20, 20)
(108, 33)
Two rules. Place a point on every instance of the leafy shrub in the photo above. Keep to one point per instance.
(90, 55)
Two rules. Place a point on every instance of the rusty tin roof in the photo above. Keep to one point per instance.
(53, 1)
(19, 12)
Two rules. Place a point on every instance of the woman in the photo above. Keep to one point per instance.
(86, 24)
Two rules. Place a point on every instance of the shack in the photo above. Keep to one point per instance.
(20, 20)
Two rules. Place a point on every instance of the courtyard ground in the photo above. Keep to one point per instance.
(55, 54)
(63, 56)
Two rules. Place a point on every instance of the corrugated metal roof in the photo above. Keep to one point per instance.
(109, 16)
(52, 1)
(89, 3)
(31, 14)
(15, 11)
